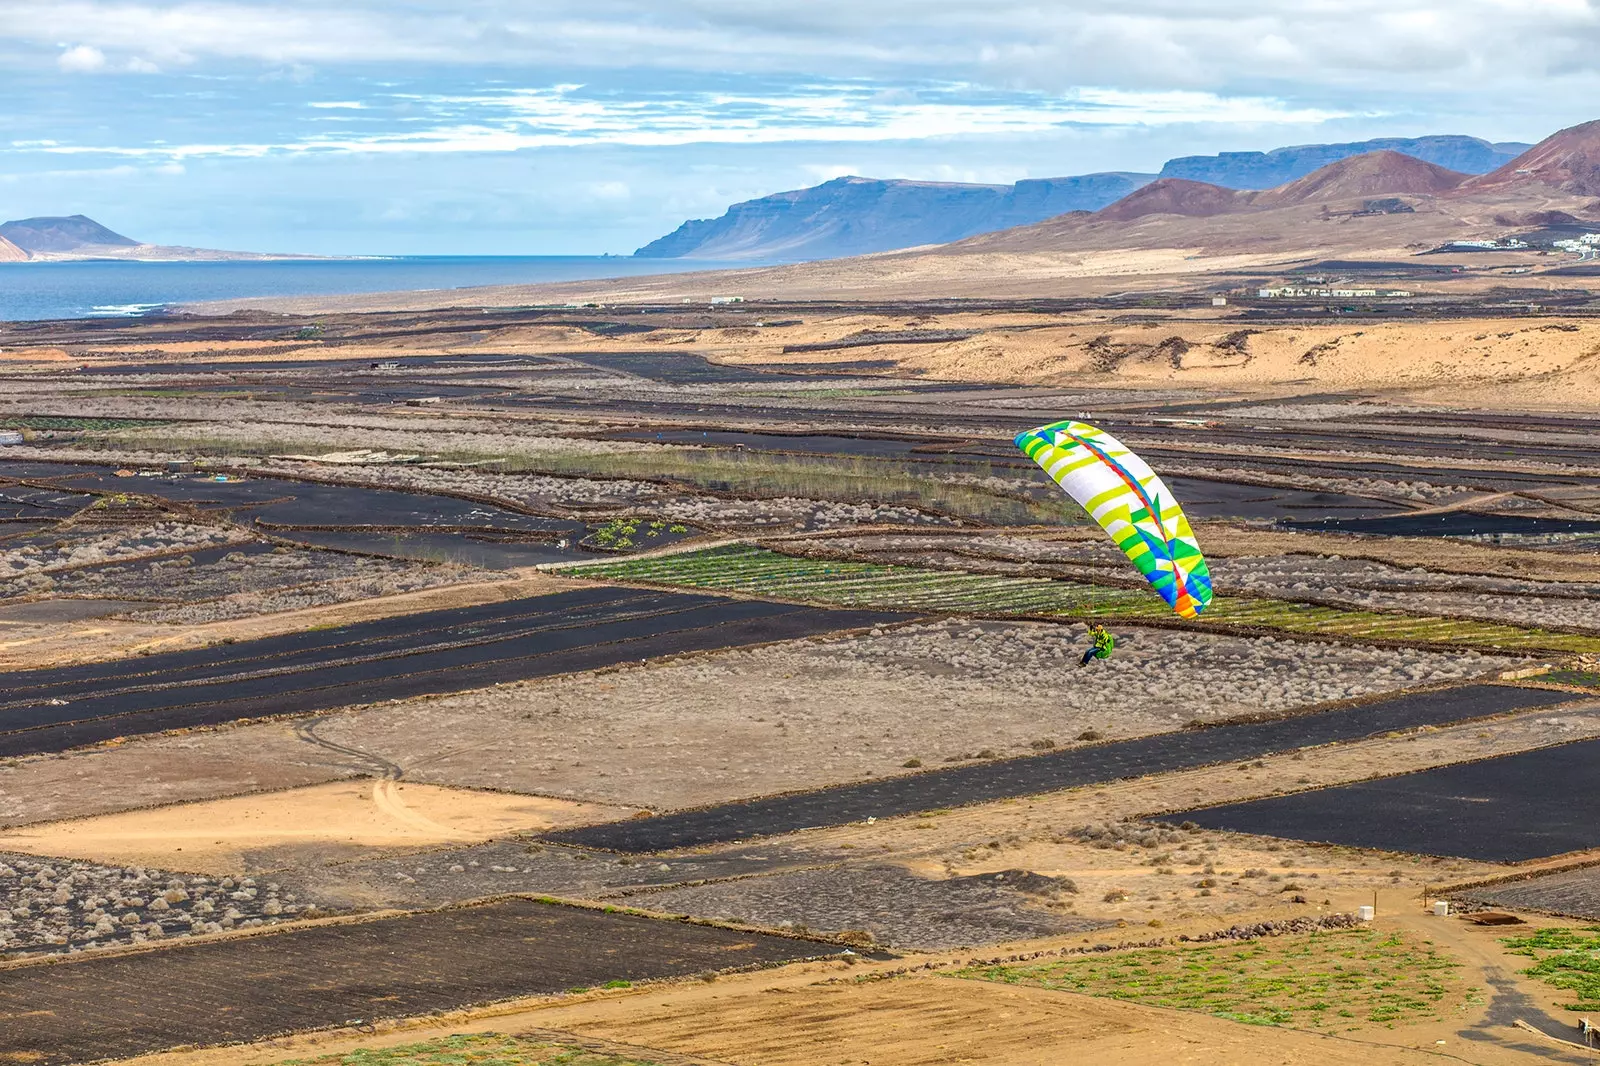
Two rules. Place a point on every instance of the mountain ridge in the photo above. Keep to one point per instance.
(856, 215)
(1266, 170)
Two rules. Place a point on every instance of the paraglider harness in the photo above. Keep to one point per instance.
(1103, 643)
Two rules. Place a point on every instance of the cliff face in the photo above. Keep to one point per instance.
(10, 253)
(1264, 170)
(66, 233)
(855, 216)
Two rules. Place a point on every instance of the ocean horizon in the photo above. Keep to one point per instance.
(106, 288)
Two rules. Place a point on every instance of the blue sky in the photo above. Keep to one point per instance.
(481, 127)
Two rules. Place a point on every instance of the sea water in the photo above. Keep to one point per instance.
(113, 288)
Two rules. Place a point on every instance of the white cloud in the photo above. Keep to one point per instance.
(138, 65)
(565, 115)
(829, 171)
(81, 59)
(1459, 46)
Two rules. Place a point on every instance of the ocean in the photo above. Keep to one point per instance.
(115, 289)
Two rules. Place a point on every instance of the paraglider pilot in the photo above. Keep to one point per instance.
(1101, 648)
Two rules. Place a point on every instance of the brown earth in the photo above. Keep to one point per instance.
(875, 1013)
(230, 836)
(1534, 363)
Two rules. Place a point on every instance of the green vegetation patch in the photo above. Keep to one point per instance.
(1564, 958)
(759, 572)
(625, 534)
(69, 422)
(1576, 678)
(476, 1049)
(1326, 981)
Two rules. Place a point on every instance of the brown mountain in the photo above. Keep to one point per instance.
(1175, 196)
(10, 253)
(1568, 160)
(1381, 173)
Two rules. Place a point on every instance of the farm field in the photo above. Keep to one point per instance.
(1074, 767)
(56, 709)
(252, 987)
(1494, 809)
(332, 651)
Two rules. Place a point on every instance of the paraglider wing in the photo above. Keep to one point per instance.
(1128, 499)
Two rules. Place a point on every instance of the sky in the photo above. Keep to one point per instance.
(560, 127)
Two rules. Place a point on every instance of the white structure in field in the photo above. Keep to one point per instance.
(1301, 290)
(1587, 243)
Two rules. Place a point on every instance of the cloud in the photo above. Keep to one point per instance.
(137, 65)
(82, 59)
(569, 115)
(1459, 46)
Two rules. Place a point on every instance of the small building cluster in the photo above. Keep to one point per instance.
(1503, 244)
(1301, 290)
(1589, 242)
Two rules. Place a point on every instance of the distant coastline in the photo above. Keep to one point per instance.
(124, 287)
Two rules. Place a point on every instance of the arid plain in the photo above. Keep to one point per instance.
(604, 671)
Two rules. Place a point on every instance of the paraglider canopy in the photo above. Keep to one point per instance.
(1130, 502)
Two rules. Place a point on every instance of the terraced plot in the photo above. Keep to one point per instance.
(392, 658)
(1513, 808)
(1069, 768)
(756, 571)
(255, 987)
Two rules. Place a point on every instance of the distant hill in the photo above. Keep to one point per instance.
(56, 237)
(855, 216)
(1568, 160)
(1357, 206)
(1380, 173)
(1265, 170)
(1175, 196)
(1375, 174)
(69, 233)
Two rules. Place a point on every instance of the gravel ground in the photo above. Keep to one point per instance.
(897, 908)
(591, 494)
(55, 906)
(776, 885)
(812, 713)
(1362, 583)
(239, 584)
(86, 547)
(291, 579)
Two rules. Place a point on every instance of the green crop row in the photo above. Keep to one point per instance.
(755, 571)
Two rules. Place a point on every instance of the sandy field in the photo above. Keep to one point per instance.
(228, 836)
